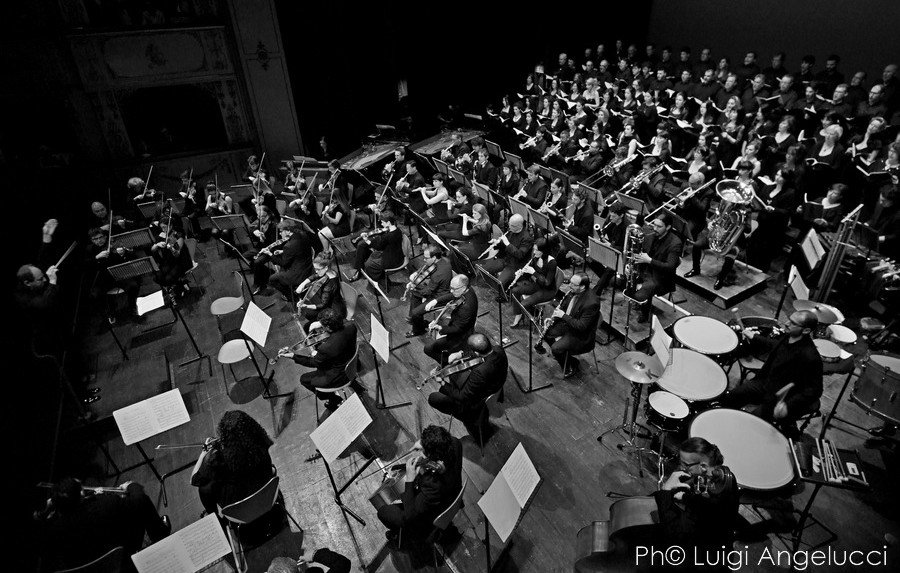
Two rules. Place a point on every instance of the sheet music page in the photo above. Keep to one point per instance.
(809, 250)
(355, 417)
(169, 410)
(816, 243)
(165, 556)
(150, 302)
(500, 507)
(521, 475)
(333, 435)
(256, 324)
(136, 422)
(204, 542)
(436, 239)
(380, 339)
(798, 287)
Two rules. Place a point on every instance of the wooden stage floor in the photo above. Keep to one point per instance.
(558, 427)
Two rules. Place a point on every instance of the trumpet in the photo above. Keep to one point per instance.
(553, 150)
(578, 156)
(530, 142)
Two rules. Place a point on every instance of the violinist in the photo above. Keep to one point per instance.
(462, 304)
(304, 208)
(294, 182)
(698, 503)
(380, 250)
(534, 191)
(217, 202)
(264, 230)
(331, 357)
(320, 291)
(430, 282)
(573, 325)
(535, 282)
(174, 260)
(194, 199)
(100, 219)
(100, 257)
(336, 223)
(463, 394)
(433, 479)
(256, 175)
(292, 252)
(235, 464)
(139, 193)
(78, 525)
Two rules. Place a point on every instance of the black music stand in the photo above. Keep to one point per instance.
(482, 191)
(380, 400)
(540, 220)
(631, 203)
(493, 149)
(535, 326)
(571, 243)
(520, 208)
(225, 222)
(610, 258)
(596, 195)
(266, 381)
(147, 210)
(458, 177)
(378, 294)
(502, 296)
(515, 160)
(441, 166)
(138, 239)
(343, 488)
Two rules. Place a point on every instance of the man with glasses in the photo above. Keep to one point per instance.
(661, 255)
(575, 325)
(790, 381)
(463, 312)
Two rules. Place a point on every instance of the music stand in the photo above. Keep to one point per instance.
(224, 222)
(255, 328)
(520, 208)
(384, 350)
(147, 210)
(596, 195)
(481, 191)
(137, 239)
(865, 237)
(610, 258)
(571, 243)
(378, 294)
(515, 160)
(502, 296)
(493, 149)
(426, 160)
(441, 166)
(540, 220)
(535, 326)
(458, 177)
(631, 203)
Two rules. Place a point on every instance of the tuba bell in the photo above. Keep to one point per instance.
(726, 227)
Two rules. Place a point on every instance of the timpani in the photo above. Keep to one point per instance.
(693, 376)
(705, 335)
(755, 451)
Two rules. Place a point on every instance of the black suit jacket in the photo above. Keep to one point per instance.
(333, 355)
(799, 363)
(486, 175)
(666, 254)
(519, 250)
(462, 319)
(535, 193)
(585, 318)
(583, 222)
(296, 258)
(388, 248)
(439, 281)
(431, 493)
(471, 387)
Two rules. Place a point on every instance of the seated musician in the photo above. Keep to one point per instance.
(292, 253)
(432, 281)
(336, 223)
(380, 250)
(99, 258)
(619, 171)
(433, 479)
(694, 209)
(484, 171)
(100, 219)
(534, 192)
(463, 311)
(322, 560)
(460, 203)
(509, 179)
(319, 291)
(264, 230)
(580, 226)
(217, 202)
(790, 382)
(304, 208)
(556, 203)
(234, 464)
(515, 246)
(330, 358)
(661, 255)
(592, 163)
(535, 282)
(651, 190)
(435, 198)
(138, 192)
(455, 150)
(174, 260)
(411, 180)
(194, 199)
(474, 232)
(574, 325)
(698, 503)
(464, 393)
(886, 220)
(612, 235)
(78, 526)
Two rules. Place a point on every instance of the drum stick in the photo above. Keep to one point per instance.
(66, 254)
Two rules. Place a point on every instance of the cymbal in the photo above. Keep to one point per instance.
(638, 367)
(826, 313)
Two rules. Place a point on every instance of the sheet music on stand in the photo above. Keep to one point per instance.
(865, 237)
(436, 239)
(505, 500)
(596, 195)
(679, 225)
(426, 160)
(256, 324)
(812, 249)
(152, 416)
(441, 166)
(151, 302)
(133, 239)
(493, 148)
(224, 222)
(571, 242)
(337, 432)
(380, 338)
(631, 203)
(520, 208)
(605, 255)
(482, 191)
(188, 550)
(798, 287)
(458, 176)
(515, 160)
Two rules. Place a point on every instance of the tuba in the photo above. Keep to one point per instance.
(726, 227)
(634, 246)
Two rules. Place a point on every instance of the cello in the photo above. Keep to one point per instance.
(603, 545)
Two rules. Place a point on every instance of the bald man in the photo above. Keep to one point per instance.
(515, 251)
(461, 322)
(790, 382)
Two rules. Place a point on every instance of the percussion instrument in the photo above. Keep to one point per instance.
(704, 335)
(692, 376)
(757, 453)
(826, 313)
(638, 367)
(828, 350)
(666, 411)
(841, 334)
(597, 544)
(877, 387)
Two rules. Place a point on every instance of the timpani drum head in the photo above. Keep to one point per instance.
(693, 376)
(755, 451)
(841, 334)
(705, 335)
(669, 405)
(828, 350)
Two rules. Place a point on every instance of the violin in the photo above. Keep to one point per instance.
(442, 375)
(310, 341)
(434, 327)
(419, 278)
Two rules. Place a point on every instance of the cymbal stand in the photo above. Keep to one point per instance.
(631, 427)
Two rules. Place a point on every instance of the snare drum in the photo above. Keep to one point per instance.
(877, 387)
(692, 376)
(828, 350)
(705, 335)
(666, 411)
(755, 451)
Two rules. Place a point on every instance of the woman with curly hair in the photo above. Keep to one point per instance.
(234, 465)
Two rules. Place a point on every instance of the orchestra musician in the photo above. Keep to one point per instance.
(475, 232)
(612, 235)
(319, 291)
(620, 171)
(437, 275)
(573, 325)
(322, 560)
(305, 209)
(330, 358)
(174, 260)
(885, 220)
(694, 209)
(412, 180)
(99, 258)
(336, 223)
(380, 250)
(433, 479)
(790, 381)
(463, 395)
(463, 305)
(294, 182)
(661, 255)
(515, 246)
(435, 197)
(698, 516)
(79, 525)
(100, 219)
(534, 192)
(138, 191)
(292, 252)
(652, 190)
(779, 201)
(536, 282)
(455, 150)
(234, 464)
(580, 225)
(265, 229)
(217, 202)
(484, 171)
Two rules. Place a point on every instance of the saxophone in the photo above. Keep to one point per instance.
(634, 246)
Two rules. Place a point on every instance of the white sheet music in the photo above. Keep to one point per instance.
(333, 435)
(185, 551)
(500, 507)
(150, 302)
(521, 475)
(380, 339)
(812, 248)
(151, 416)
(798, 287)
(256, 324)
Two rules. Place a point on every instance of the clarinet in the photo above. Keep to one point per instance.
(548, 323)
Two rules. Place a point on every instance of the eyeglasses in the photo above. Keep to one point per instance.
(685, 466)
